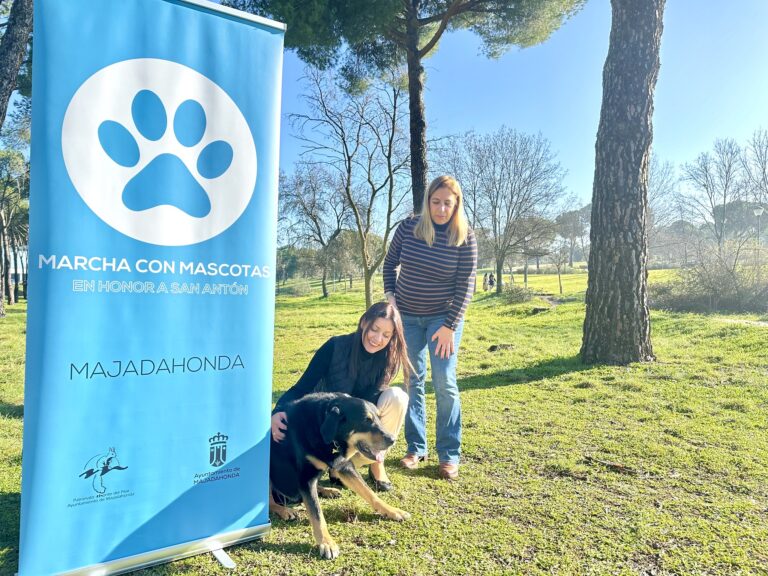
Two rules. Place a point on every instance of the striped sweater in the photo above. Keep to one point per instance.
(437, 279)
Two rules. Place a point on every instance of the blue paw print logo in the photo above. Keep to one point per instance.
(165, 179)
(159, 152)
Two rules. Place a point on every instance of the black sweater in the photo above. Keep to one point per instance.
(328, 371)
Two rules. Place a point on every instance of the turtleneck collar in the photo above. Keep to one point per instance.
(441, 227)
(368, 355)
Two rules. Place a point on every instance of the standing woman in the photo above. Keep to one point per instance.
(362, 364)
(437, 255)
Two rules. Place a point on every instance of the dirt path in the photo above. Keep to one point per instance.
(551, 300)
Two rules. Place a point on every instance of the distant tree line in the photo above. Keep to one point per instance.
(709, 225)
(343, 199)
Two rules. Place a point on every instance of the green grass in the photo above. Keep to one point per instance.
(655, 468)
(12, 340)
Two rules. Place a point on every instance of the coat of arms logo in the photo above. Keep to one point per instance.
(218, 453)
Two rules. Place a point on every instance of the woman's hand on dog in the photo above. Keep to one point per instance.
(279, 426)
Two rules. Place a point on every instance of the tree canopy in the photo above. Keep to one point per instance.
(327, 32)
(390, 32)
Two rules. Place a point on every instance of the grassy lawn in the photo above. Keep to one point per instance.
(649, 469)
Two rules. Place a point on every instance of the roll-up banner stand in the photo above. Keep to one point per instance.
(151, 296)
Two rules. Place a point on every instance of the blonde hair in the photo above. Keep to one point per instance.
(458, 227)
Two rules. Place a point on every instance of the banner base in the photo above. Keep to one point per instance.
(171, 553)
(223, 558)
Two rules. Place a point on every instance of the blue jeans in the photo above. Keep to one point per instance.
(418, 332)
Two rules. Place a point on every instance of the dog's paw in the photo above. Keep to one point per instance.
(396, 514)
(329, 549)
(324, 492)
(286, 514)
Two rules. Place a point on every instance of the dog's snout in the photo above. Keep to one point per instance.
(388, 439)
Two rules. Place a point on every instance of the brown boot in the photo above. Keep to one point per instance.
(411, 461)
(448, 471)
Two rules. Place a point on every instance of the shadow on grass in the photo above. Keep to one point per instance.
(14, 311)
(550, 368)
(13, 460)
(570, 298)
(532, 307)
(262, 545)
(10, 503)
(429, 469)
(11, 410)
(9, 561)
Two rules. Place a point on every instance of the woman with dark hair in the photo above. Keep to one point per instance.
(362, 364)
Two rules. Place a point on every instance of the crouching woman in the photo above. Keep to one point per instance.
(362, 364)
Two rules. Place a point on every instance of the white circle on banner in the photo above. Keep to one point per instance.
(170, 203)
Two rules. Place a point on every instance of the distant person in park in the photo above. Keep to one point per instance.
(362, 364)
(485, 282)
(437, 255)
(491, 281)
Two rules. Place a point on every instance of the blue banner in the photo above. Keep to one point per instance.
(151, 285)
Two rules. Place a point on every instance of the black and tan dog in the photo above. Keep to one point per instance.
(324, 431)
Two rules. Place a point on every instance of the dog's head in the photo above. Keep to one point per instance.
(355, 426)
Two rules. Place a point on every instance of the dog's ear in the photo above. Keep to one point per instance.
(330, 424)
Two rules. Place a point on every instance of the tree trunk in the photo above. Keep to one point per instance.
(7, 266)
(325, 282)
(13, 47)
(499, 276)
(368, 279)
(2, 300)
(525, 271)
(6, 294)
(560, 280)
(15, 261)
(418, 125)
(24, 278)
(617, 328)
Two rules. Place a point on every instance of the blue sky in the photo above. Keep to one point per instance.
(713, 84)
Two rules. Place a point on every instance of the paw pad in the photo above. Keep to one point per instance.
(165, 179)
